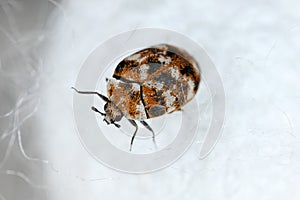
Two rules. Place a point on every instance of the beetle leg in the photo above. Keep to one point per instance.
(103, 114)
(104, 98)
(106, 121)
(136, 129)
(117, 125)
(149, 128)
(96, 110)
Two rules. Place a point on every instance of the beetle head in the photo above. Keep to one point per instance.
(113, 114)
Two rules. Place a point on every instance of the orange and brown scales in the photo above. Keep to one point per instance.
(154, 81)
(127, 97)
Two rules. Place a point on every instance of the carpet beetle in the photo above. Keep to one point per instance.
(149, 83)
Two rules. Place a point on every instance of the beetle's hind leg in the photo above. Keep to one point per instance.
(134, 134)
(149, 128)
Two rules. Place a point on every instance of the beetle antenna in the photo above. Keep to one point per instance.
(104, 98)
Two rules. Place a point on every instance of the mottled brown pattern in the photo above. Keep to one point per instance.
(110, 90)
(169, 71)
(152, 97)
(126, 98)
(128, 69)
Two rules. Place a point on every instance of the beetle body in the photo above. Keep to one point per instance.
(153, 82)
(150, 83)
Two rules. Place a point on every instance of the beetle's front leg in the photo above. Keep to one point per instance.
(96, 110)
(103, 114)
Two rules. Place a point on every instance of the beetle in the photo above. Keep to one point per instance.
(149, 83)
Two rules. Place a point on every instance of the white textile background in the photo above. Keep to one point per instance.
(255, 46)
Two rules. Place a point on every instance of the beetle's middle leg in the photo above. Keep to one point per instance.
(134, 134)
